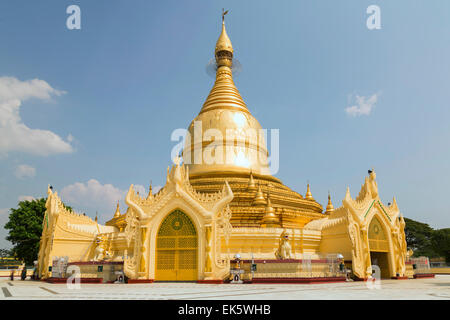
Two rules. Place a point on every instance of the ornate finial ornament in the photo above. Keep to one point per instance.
(224, 49)
(308, 195)
(251, 183)
(259, 197)
(269, 219)
(223, 15)
(150, 191)
(117, 213)
(330, 207)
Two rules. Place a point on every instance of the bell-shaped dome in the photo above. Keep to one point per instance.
(225, 136)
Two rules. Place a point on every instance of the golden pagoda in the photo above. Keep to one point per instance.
(224, 109)
(216, 204)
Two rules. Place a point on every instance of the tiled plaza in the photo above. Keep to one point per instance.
(429, 289)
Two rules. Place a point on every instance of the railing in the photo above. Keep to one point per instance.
(329, 266)
(421, 265)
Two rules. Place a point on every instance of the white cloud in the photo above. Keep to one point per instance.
(70, 138)
(4, 218)
(364, 105)
(14, 134)
(92, 195)
(25, 171)
(27, 198)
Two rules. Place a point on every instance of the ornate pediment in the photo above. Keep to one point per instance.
(178, 186)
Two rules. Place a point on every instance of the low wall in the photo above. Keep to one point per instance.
(440, 270)
(17, 272)
(290, 269)
(98, 269)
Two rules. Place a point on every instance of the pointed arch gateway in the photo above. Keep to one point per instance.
(379, 246)
(176, 248)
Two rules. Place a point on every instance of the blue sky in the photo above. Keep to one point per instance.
(109, 95)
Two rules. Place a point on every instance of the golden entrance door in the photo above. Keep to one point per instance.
(176, 249)
(377, 239)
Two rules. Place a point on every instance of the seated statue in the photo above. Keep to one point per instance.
(100, 252)
(284, 250)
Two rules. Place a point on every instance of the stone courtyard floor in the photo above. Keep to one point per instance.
(428, 289)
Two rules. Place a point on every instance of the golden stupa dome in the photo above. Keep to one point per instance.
(225, 136)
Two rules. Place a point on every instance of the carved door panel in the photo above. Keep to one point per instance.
(176, 249)
(377, 238)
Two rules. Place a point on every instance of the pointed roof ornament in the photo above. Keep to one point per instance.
(347, 194)
(150, 191)
(308, 195)
(177, 176)
(270, 219)
(117, 213)
(168, 175)
(259, 197)
(330, 207)
(224, 42)
(269, 203)
(394, 205)
(251, 183)
(49, 190)
(96, 216)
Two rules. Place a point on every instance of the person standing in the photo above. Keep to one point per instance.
(23, 276)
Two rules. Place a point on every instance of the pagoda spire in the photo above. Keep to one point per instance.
(224, 91)
(259, 197)
(308, 195)
(330, 207)
(117, 213)
(251, 183)
(269, 219)
(150, 191)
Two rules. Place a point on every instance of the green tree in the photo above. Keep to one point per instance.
(419, 238)
(25, 229)
(441, 243)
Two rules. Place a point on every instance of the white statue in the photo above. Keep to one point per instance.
(284, 249)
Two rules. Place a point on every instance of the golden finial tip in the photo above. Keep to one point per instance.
(224, 42)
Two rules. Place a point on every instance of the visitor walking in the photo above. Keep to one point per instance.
(23, 276)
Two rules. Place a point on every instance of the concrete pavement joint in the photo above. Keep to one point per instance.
(6, 292)
(49, 290)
